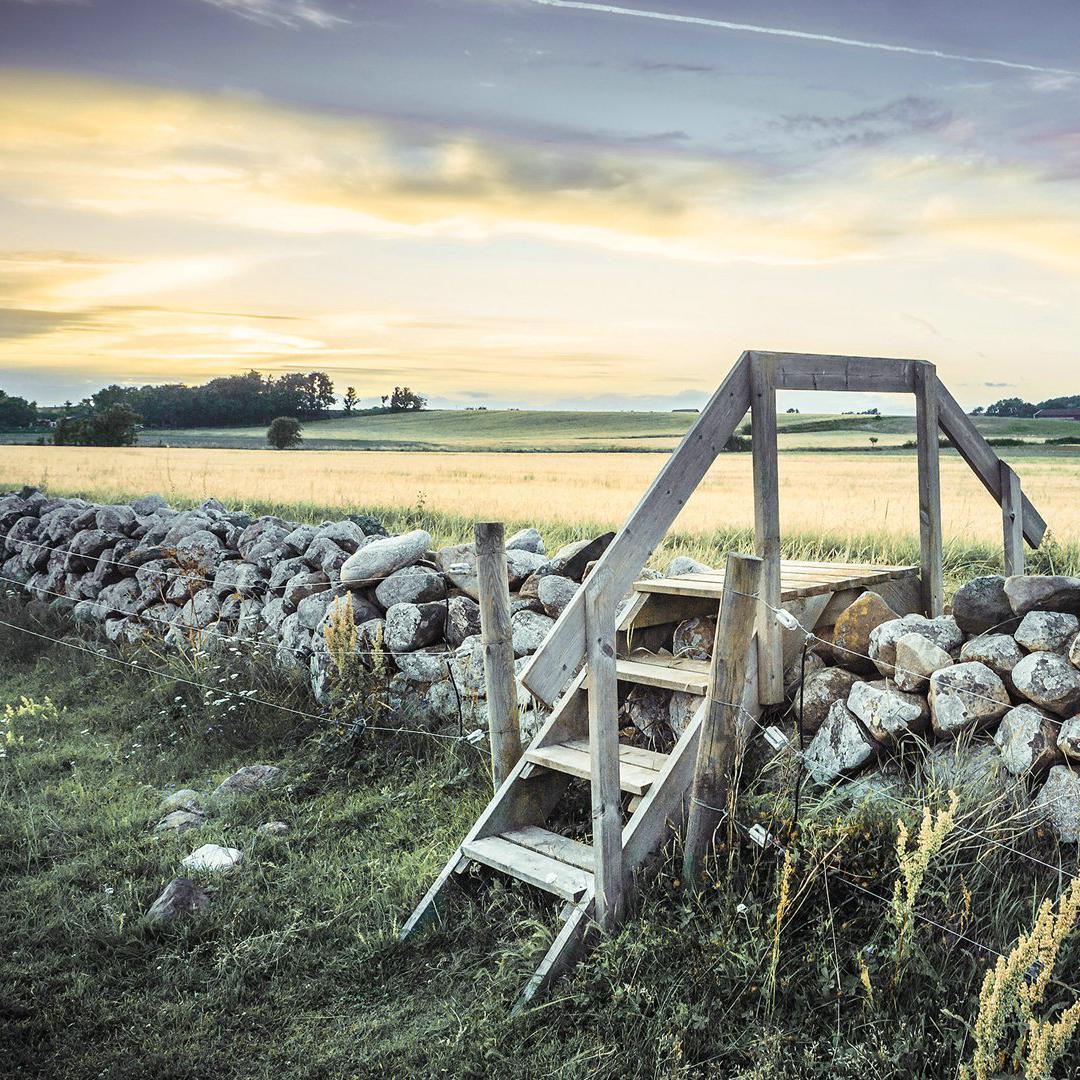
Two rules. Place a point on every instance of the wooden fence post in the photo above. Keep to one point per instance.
(1012, 520)
(932, 574)
(767, 525)
(608, 874)
(499, 676)
(711, 794)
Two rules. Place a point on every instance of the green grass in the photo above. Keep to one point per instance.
(294, 969)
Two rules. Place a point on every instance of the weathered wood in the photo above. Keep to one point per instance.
(554, 845)
(603, 691)
(860, 374)
(563, 953)
(529, 865)
(985, 463)
(504, 732)
(932, 573)
(767, 524)
(575, 759)
(561, 654)
(665, 673)
(1012, 509)
(712, 790)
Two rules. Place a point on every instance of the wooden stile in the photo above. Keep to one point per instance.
(926, 437)
(1012, 511)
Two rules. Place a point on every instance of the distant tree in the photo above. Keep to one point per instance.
(111, 426)
(873, 440)
(404, 400)
(350, 399)
(16, 412)
(793, 410)
(1013, 406)
(1070, 402)
(977, 411)
(284, 433)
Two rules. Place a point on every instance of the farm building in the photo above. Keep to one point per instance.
(1058, 414)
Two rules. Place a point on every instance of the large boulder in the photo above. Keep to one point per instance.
(526, 540)
(821, 690)
(1059, 803)
(462, 619)
(942, 631)
(1069, 738)
(1050, 681)
(380, 558)
(520, 565)
(529, 629)
(1037, 592)
(999, 652)
(917, 658)
(346, 534)
(572, 560)
(981, 605)
(554, 592)
(888, 713)
(1046, 631)
(200, 550)
(694, 637)
(303, 585)
(424, 665)
(201, 610)
(414, 626)
(839, 748)
(851, 634)
(1027, 738)
(966, 697)
(323, 554)
(411, 585)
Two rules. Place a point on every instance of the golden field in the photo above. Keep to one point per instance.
(837, 494)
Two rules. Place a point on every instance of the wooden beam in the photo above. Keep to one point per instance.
(561, 654)
(932, 573)
(767, 525)
(504, 731)
(603, 693)
(712, 791)
(979, 454)
(860, 374)
(1011, 519)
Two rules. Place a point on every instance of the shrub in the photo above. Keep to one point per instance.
(284, 433)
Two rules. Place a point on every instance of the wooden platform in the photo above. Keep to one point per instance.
(797, 579)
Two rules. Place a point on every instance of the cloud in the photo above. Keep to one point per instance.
(800, 35)
(290, 14)
(27, 322)
(872, 126)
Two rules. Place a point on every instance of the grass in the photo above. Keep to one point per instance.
(294, 969)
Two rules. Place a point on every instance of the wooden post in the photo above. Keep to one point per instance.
(711, 793)
(503, 729)
(604, 748)
(767, 525)
(1012, 519)
(926, 428)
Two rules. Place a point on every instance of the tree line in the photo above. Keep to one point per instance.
(1015, 406)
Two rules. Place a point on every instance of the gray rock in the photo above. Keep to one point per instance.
(273, 615)
(529, 631)
(822, 689)
(303, 585)
(1074, 652)
(1035, 592)
(888, 713)
(294, 646)
(382, 557)
(795, 672)
(681, 710)
(424, 665)
(411, 585)
(839, 748)
(283, 572)
(683, 564)
(917, 658)
(1049, 680)
(942, 631)
(982, 605)
(1069, 738)
(213, 859)
(554, 593)
(346, 534)
(200, 550)
(180, 821)
(298, 541)
(458, 565)
(182, 799)
(118, 520)
(148, 504)
(694, 638)
(974, 770)
(647, 708)
(462, 620)
(238, 577)
(180, 897)
(999, 652)
(274, 828)
(854, 625)
(966, 697)
(572, 560)
(323, 554)
(201, 610)
(311, 611)
(1059, 803)
(246, 781)
(413, 626)
(1027, 738)
(520, 564)
(1046, 631)
(526, 540)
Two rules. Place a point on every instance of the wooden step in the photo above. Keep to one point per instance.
(665, 672)
(638, 769)
(554, 845)
(531, 866)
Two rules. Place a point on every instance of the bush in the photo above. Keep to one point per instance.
(284, 433)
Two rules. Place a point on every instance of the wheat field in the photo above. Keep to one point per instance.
(838, 494)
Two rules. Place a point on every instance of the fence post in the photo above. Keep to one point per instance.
(1012, 519)
(932, 574)
(608, 873)
(499, 676)
(711, 794)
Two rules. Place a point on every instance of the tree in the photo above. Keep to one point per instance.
(350, 399)
(873, 441)
(404, 400)
(1012, 406)
(977, 411)
(16, 412)
(112, 426)
(284, 433)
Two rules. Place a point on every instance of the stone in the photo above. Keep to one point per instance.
(646, 707)
(839, 748)
(303, 585)
(346, 534)
(273, 828)
(966, 697)
(526, 540)
(683, 564)
(822, 689)
(457, 563)
(851, 634)
(888, 713)
(572, 560)
(1043, 592)
(1058, 802)
(201, 610)
(247, 781)
(529, 631)
(981, 605)
(1046, 631)
(917, 658)
(694, 638)
(1069, 738)
(942, 631)
(411, 585)
(976, 770)
(999, 652)
(412, 626)
(1074, 652)
(213, 858)
(148, 504)
(180, 897)
(1049, 680)
(118, 520)
(283, 572)
(796, 671)
(681, 710)
(182, 799)
(424, 665)
(179, 821)
(311, 611)
(323, 554)
(462, 620)
(520, 565)
(554, 592)
(380, 558)
(200, 550)
(1027, 738)
(298, 541)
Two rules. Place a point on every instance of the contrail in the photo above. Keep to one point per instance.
(802, 35)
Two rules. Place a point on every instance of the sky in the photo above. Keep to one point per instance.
(538, 202)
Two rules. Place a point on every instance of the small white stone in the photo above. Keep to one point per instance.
(213, 858)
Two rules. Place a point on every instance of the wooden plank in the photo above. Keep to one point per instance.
(575, 760)
(558, 658)
(603, 691)
(979, 454)
(767, 525)
(630, 755)
(704, 589)
(861, 374)
(713, 790)
(689, 676)
(532, 867)
(563, 953)
(657, 609)
(1011, 520)
(561, 848)
(504, 731)
(932, 572)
